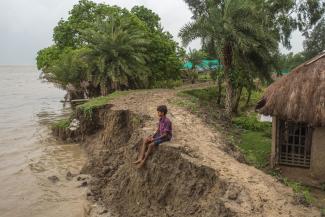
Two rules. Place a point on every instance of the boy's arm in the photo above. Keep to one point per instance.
(156, 132)
(161, 136)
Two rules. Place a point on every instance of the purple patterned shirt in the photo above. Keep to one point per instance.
(165, 126)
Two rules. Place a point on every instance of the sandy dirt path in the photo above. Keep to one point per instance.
(259, 193)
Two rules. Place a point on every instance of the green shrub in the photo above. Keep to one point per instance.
(213, 75)
(301, 191)
(250, 122)
(61, 124)
(204, 76)
(88, 107)
(207, 94)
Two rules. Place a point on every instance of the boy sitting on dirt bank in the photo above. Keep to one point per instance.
(162, 134)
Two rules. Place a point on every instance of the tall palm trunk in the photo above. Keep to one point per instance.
(219, 89)
(249, 96)
(227, 58)
(237, 100)
(228, 99)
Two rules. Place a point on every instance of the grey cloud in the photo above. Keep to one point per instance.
(26, 26)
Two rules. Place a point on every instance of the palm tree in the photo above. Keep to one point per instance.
(195, 57)
(238, 29)
(118, 49)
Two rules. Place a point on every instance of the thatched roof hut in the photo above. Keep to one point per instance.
(296, 103)
(299, 95)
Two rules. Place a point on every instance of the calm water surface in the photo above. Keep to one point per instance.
(28, 153)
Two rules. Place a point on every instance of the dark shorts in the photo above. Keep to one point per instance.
(159, 141)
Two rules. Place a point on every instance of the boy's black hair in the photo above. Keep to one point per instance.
(162, 108)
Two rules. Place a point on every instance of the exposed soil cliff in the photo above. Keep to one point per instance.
(173, 183)
(190, 176)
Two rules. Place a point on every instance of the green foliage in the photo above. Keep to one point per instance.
(167, 84)
(289, 61)
(46, 57)
(118, 47)
(163, 59)
(82, 16)
(208, 94)
(151, 19)
(237, 29)
(285, 16)
(250, 122)
(255, 140)
(88, 107)
(195, 57)
(61, 124)
(315, 42)
(111, 48)
(204, 76)
(302, 192)
(164, 55)
(256, 147)
(71, 66)
(246, 33)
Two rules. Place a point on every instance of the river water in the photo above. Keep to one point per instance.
(28, 153)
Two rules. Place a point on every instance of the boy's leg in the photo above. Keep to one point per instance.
(142, 150)
(151, 147)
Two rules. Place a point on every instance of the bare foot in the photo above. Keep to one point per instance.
(141, 164)
(137, 161)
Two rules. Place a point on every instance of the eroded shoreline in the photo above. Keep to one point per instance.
(189, 176)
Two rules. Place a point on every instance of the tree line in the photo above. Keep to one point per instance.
(101, 48)
(245, 35)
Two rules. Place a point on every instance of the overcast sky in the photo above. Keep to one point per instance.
(26, 25)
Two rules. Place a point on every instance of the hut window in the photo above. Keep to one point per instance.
(294, 141)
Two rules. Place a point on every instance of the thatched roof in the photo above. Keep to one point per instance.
(298, 96)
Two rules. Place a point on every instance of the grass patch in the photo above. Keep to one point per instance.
(88, 107)
(250, 122)
(255, 147)
(61, 124)
(302, 192)
(255, 139)
(204, 95)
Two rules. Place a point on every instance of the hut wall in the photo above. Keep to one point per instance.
(273, 159)
(317, 167)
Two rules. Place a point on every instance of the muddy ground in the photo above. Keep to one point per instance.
(190, 176)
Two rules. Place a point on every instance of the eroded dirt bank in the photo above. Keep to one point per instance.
(190, 176)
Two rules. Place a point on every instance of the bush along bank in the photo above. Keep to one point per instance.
(84, 120)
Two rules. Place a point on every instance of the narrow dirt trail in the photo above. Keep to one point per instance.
(255, 192)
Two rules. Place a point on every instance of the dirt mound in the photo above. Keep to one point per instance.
(191, 176)
(172, 183)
